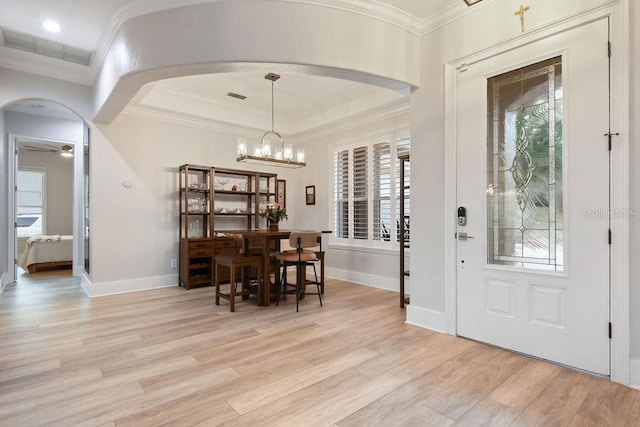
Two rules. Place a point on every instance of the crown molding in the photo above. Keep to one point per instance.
(373, 9)
(453, 12)
(192, 121)
(335, 113)
(209, 107)
(387, 111)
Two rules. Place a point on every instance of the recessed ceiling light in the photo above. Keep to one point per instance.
(51, 26)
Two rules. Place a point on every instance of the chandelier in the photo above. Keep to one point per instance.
(272, 150)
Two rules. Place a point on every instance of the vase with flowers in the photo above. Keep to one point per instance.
(274, 213)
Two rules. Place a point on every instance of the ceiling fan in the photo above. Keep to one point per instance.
(65, 150)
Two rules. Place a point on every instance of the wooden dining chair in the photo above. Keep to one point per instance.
(238, 262)
(306, 253)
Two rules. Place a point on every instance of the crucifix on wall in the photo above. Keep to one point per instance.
(520, 12)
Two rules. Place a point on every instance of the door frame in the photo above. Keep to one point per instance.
(78, 201)
(619, 82)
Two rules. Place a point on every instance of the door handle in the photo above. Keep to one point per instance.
(461, 235)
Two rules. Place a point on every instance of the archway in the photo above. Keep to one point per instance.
(47, 150)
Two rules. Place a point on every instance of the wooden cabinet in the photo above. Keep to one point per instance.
(196, 262)
(195, 225)
(211, 199)
(404, 225)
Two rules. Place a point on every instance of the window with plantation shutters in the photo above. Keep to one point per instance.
(341, 194)
(360, 193)
(366, 191)
(382, 218)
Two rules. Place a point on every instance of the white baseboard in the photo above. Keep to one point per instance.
(85, 283)
(146, 283)
(634, 373)
(4, 280)
(425, 318)
(375, 281)
(124, 286)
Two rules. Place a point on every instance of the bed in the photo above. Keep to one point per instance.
(47, 252)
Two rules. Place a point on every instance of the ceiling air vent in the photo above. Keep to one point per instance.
(236, 95)
(40, 46)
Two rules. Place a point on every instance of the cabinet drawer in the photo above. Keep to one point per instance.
(195, 253)
(200, 245)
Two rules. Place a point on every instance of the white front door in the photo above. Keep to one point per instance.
(533, 175)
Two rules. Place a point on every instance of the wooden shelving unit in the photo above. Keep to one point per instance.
(196, 226)
(405, 189)
(211, 199)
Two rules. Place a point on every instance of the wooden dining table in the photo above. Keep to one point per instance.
(270, 242)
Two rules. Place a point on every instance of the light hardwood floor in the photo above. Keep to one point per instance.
(172, 357)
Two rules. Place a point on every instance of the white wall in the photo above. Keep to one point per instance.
(43, 126)
(18, 85)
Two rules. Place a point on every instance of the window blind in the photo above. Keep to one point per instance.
(360, 194)
(29, 196)
(341, 194)
(30, 201)
(382, 222)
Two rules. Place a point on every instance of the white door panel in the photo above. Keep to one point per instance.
(561, 315)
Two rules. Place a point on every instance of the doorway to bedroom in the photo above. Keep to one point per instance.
(46, 193)
(44, 208)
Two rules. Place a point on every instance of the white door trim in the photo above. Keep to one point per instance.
(11, 209)
(619, 295)
(78, 202)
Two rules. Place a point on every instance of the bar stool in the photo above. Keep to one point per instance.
(234, 262)
(301, 257)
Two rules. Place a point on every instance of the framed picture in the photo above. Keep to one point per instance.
(311, 194)
(282, 192)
